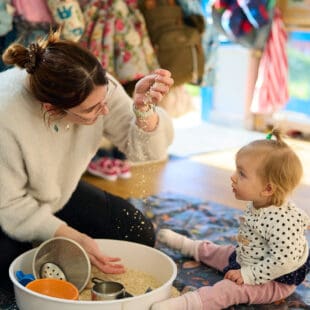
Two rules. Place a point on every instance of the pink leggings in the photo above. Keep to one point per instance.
(226, 293)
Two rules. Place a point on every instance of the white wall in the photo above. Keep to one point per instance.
(230, 87)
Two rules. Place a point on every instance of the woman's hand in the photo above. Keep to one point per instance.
(235, 276)
(149, 91)
(104, 263)
(152, 87)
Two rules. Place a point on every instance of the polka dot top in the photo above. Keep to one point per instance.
(271, 242)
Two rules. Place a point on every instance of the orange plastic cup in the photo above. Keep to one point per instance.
(54, 288)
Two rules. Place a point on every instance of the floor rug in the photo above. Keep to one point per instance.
(198, 220)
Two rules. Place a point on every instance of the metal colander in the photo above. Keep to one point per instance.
(62, 258)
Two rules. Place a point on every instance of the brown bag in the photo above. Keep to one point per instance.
(178, 46)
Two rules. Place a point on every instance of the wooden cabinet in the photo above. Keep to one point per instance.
(296, 14)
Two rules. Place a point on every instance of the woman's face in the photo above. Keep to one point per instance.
(93, 106)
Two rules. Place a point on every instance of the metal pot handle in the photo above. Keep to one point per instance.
(97, 280)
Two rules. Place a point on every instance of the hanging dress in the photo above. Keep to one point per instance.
(116, 34)
(271, 89)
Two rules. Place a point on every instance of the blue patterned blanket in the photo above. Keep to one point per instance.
(198, 220)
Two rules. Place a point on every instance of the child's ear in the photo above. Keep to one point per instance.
(269, 190)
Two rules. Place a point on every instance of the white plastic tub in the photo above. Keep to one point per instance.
(134, 255)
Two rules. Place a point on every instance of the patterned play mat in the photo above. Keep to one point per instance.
(200, 220)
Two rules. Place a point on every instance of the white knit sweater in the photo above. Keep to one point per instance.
(40, 168)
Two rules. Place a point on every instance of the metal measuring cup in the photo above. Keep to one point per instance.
(107, 290)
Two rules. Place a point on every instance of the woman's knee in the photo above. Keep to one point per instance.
(138, 228)
(130, 223)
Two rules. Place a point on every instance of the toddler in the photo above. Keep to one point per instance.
(272, 254)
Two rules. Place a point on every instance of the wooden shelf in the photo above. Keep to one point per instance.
(296, 14)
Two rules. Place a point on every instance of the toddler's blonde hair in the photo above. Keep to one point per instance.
(279, 165)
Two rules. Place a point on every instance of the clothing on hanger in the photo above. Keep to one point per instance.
(35, 11)
(116, 33)
(271, 89)
(68, 14)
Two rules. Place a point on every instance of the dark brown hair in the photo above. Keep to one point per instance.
(62, 73)
(279, 166)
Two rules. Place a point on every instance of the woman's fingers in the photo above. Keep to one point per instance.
(111, 259)
(163, 72)
(97, 258)
(164, 76)
(106, 265)
(152, 87)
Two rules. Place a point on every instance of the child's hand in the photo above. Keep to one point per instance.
(235, 276)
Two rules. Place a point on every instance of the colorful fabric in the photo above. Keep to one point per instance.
(240, 16)
(255, 11)
(271, 89)
(246, 22)
(33, 11)
(68, 14)
(234, 22)
(116, 34)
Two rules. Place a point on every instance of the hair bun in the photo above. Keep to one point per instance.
(33, 52)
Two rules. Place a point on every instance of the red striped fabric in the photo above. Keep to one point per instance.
(271, 89)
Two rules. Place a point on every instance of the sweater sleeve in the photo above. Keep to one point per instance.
(288, 248)
(121, 129)
(22, 216)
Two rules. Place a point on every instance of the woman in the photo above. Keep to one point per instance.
(52, 119)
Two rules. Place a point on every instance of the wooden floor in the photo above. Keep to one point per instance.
(206, 176)
(178, 176)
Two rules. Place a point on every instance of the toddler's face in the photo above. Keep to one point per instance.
(246, 184)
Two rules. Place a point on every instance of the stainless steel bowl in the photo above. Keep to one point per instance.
(62, 258)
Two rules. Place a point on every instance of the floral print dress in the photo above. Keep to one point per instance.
(116, 34)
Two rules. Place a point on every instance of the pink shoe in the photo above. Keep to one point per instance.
(104, 168)
(123, 168)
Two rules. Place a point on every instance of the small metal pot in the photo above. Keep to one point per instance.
(107, 290)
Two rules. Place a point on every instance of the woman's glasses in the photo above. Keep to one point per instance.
(96, 109)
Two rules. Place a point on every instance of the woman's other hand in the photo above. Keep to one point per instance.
(104, 263)
(152, 87)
